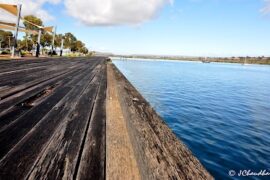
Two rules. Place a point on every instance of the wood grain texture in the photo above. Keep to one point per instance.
(120, 157)
(46, 111)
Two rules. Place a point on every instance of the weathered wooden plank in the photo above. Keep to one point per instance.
(19, 98)
(27, 72)
(15, 89)
(13, 133)
(121, 161)
(19, 65)
(29, 147)
(28, 84)
(59, 159)
(31, 91)
(6, 75)
(91, 161)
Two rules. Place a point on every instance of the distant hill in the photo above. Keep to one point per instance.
(241, 60)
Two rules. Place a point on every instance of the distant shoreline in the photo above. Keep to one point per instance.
(238, 60)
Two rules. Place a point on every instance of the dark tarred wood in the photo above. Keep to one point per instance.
(46, 112)
(91, 164)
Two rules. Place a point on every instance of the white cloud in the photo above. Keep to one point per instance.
(29, 7)
(93, 12)
(114, 12)
(266, 9)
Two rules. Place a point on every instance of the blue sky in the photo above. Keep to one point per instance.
(186, 27)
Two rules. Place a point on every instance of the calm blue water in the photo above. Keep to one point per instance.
(220, 111)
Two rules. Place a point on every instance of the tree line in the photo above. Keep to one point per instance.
(28, 41)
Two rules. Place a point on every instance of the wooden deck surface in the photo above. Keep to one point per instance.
(80, 118)
(52, 118)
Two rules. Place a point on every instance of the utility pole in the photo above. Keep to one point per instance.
(19, 7)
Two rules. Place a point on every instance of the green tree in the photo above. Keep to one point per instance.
(46, 39)
(78, 45)
(25, 44)
(70, 41)
(84, 50)
(58, 40)
(34, 20)
(6, 38)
